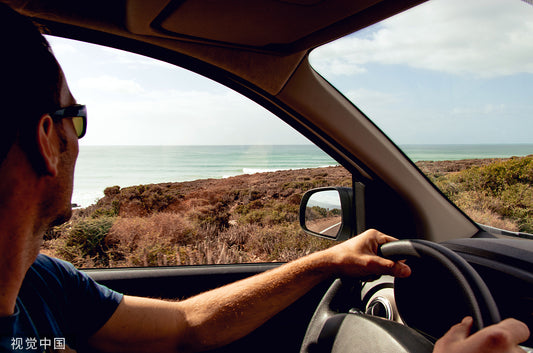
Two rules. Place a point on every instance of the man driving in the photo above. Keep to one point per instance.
(45, 297)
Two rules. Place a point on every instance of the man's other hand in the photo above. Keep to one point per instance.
(502, 337)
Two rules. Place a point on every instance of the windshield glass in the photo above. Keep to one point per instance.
(451, 82)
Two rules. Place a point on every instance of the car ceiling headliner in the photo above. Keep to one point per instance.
(260, 41)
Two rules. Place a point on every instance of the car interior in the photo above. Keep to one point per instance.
(261, 50)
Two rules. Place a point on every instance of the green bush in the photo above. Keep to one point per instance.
(86, 240)
(496, 177)
(504, 188)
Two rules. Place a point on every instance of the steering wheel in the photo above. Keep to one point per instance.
(335, 329)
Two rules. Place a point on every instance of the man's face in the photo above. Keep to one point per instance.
(61, 190)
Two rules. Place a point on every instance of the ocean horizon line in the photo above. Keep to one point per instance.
(101, 166)
(311, 144)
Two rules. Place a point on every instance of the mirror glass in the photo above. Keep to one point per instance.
(323, 213)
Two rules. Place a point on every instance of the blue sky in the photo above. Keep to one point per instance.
(445, 72)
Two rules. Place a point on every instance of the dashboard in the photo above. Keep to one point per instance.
(434, 303)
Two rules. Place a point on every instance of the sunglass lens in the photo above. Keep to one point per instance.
(78, 125)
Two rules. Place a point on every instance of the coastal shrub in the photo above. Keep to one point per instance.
(283, 243)
(282, 213)
(253, 217)
(487, 217)
(56, 232)
(503, 189)
(223, 246)
(244, 209)
(295, 199)
(517, 204)
(216, 215)
(85, 240)
(136, 241)
(250, 243)
(305, 185)
(496, 177)
(255, 195)
(275, 211)
(152, 197)
(277, 217)
(112, 191)
(106, 211)
(269, 214)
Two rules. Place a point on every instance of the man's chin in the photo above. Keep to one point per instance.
(62, 217)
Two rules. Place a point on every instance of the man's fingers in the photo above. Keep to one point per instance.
(376, 237)
(389, 267)
(401, 270)
(507, 333)
(519, 329)
(462, 329)
(458, 332)
(502, 337)
(396, 269)
(455, 337)
(384, 238)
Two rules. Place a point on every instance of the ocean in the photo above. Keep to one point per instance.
(99, 167)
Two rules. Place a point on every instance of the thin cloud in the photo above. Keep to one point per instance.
(109, 84)
(483, 38)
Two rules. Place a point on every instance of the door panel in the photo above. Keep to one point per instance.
(283, 333)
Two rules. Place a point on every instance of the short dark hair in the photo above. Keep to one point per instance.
(30, 76)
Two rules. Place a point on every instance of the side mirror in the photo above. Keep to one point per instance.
(333, 212)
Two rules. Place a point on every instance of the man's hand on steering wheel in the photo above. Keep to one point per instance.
(502, 337)
(358, 257)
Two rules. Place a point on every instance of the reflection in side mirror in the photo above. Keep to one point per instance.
(332, 213)
(323, 213)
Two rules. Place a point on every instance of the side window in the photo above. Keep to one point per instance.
(178, 170)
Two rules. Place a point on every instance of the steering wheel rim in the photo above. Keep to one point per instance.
(327, 323)
(482, 305)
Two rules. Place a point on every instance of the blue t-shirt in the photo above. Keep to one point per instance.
(58, 306)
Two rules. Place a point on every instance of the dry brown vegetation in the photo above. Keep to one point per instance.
(254, 218)
(248, 218)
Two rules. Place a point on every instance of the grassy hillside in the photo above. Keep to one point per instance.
(253, 218)
(493, 192)
(248, 218)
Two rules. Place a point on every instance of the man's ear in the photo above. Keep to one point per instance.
(48, 145)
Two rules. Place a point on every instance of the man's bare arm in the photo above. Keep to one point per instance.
(220, 316)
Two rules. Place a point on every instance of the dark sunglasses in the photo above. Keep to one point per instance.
(78, 114)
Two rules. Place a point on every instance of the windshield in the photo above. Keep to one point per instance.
(451, 82)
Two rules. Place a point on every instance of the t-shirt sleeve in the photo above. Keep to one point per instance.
(87, 305)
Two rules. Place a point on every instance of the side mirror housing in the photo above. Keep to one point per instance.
(333, 212)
